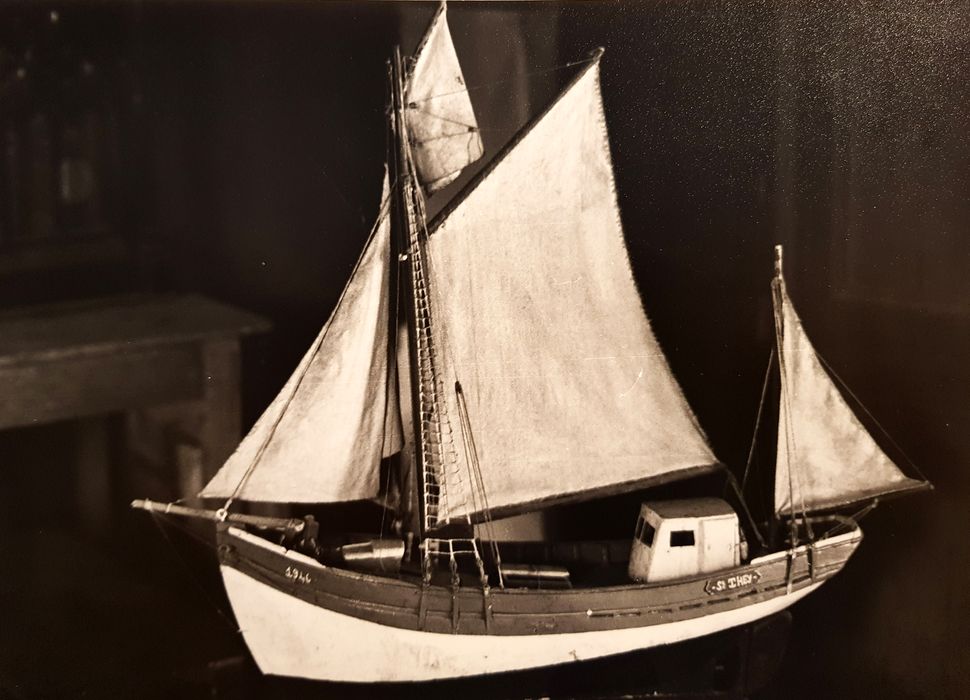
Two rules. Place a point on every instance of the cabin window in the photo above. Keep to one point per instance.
(682, 538)
(646, 534)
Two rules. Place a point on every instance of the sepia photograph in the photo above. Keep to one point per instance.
(484, 349)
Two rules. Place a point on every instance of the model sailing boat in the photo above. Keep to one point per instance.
(528, 377)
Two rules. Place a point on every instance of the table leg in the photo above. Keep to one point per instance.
(222, 421)
(94, 474)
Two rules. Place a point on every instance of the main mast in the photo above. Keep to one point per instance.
(432, 433)
(401, 183)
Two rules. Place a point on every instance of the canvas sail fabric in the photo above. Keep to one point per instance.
(825, 458)
(440, 120)
(322, 438)
(566, 390)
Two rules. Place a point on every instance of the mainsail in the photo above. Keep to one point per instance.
(825, 457)
(441, 123)
(554, 383)
(323, 437)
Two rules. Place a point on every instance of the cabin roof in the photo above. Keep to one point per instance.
(691, 508)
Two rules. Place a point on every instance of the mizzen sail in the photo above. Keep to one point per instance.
(564, 390)
(825, 457)
(440, 120)
(322, 438)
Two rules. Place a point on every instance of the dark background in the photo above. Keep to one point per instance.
(238, 149)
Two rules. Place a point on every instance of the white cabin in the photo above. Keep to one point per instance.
(677, 539)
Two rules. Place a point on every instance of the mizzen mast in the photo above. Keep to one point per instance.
(826, 458)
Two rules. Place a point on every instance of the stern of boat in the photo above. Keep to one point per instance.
(835, 540)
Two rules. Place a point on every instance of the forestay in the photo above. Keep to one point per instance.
(322, 438)
(441, 123)
(568, 394)
(826, 458)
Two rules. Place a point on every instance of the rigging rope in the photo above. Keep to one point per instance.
(757, 420)
(157, 519)
(476, 483)
(855, 517)
(871, 417)
(475, 474)
(430, 295)
(392, 350)
(388, 388)
(492, 83)
(468, 127)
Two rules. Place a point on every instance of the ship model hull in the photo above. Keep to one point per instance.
(530, 378)
(305, 619)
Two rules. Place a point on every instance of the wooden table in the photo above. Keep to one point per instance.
(169, 364)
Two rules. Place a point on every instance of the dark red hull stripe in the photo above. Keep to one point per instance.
(407, 604)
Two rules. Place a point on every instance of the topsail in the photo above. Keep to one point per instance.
(441, 123)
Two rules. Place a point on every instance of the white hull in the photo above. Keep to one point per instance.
(290, 637)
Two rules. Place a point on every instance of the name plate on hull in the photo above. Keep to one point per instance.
(731, 583)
